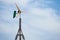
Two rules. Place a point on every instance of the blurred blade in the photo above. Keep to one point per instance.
(14, 15)
(17, 14)
(17, 6)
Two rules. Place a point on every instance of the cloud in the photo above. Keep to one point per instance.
(46, 20)
(41, 12)
(8, 28)
(20, 2)
(38, 24)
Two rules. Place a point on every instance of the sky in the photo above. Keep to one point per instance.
(40, 19)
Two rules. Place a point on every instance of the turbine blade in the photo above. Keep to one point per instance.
(17, 14)
(17, 6)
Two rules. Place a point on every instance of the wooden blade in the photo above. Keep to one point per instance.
(17, 6)
(17, 15)
(14, 14)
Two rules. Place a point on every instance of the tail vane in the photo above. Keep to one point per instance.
(14, 14)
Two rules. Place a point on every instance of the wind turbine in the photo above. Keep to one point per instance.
(19, 33)
(17, 12)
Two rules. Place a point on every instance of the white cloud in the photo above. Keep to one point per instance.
(47, 20)
(8, 28)
(21, 2)
(41, 12)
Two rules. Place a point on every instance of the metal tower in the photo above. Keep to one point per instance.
(19, 33)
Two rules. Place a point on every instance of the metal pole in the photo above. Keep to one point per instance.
(20, 28)
(20, 38)
(20, 24)
(20, 33)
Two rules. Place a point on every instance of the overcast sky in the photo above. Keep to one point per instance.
(40, 19)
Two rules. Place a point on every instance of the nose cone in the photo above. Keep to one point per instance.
(19, 11)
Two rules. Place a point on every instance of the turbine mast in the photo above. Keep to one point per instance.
(19, 33)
